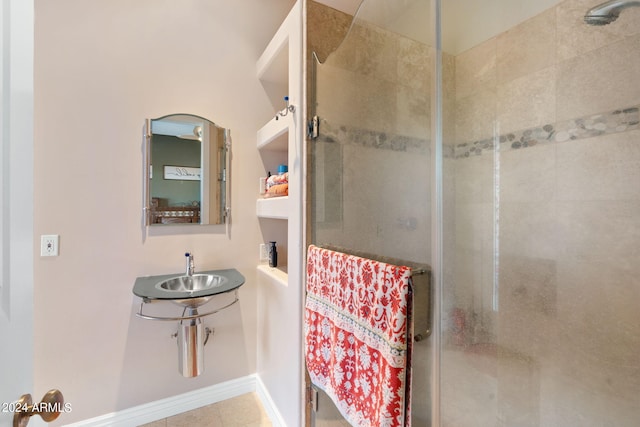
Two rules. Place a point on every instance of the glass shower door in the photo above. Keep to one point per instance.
(539, 281)
(371, 162)
(541, 230)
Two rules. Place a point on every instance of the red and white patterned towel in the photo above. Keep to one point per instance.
(357, 346)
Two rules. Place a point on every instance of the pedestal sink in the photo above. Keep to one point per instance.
(190, 292)
(185, 290)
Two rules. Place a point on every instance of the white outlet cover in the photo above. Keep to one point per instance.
(49, 244)
(264, 252)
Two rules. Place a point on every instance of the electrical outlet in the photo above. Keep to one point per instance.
(264, 252)
(49, 245)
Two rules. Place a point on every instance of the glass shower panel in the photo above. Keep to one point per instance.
(540, 318)
(371, 162)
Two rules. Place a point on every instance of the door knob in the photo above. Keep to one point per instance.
(49, 408)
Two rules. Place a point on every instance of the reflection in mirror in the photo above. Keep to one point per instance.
(186, 159)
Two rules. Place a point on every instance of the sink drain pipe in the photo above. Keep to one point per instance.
(192, 336)
(191, 347)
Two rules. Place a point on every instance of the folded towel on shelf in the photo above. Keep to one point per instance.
(282, 178)
(277, 190)
(357, 336)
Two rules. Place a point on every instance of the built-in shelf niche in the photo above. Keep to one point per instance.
(274, 136)
(273, 143)
(277, 274)
(274, 140)
(280, 71)
(273, 69)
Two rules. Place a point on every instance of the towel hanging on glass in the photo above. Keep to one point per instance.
(357, 328)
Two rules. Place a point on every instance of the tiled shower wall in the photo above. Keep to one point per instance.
(541, 207)
(543, 280)
(373, 99)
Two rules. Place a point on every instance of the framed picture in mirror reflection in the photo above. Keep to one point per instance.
(182, 173)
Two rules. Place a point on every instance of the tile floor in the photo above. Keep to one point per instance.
(241, 411)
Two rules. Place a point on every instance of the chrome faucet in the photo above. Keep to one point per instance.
(190, 265)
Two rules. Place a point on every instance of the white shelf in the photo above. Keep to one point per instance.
(274, 135)
(273, 207)
(273, 64)
(277, 274)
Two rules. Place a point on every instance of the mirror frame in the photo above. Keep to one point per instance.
(225, 173)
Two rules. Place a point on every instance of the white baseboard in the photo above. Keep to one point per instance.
(175, 405)
(267, 403)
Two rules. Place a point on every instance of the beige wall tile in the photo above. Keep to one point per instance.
(449, 99)
(601, 80)
(593, 367)
(449, 213)
(526, 320)
(395, 225)
(600, 231)
(518, 390)
(527, 101)
(600, 168)
(413, 113)
(528, 284)
(473, 225)
(345, 56)
(346, 97)
(598, 308)
(326, 28)
(414, 64)
(361, 222)
(528, 229)
(469, 394)
(527, 47)
(576, 38)
(476, 115)
(487, 296)
(474, 179)
(369, 50)
(469, 285)
(528, 174)
(476, 68)
(568, 226)
(567, 398)
(335, 88)
(377, 80)
(378, 55)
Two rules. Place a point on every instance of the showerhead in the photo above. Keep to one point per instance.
(608, 12)
(600, 19)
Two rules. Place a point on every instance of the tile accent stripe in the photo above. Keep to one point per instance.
(370, 138)
(584, 127)
(616, 121)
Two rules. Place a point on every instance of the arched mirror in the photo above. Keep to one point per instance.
(186, 159)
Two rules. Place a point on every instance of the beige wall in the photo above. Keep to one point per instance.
(101, 68)
(547, 226)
